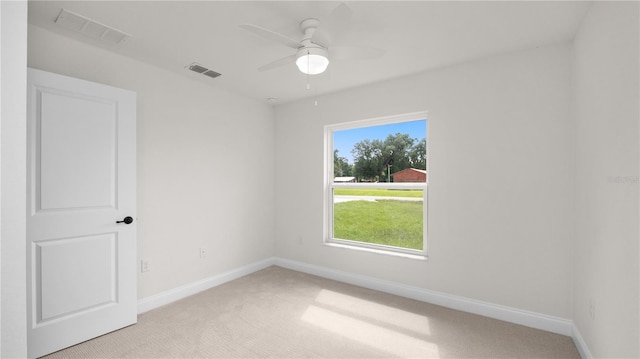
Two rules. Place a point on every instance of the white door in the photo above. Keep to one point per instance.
(81, 264)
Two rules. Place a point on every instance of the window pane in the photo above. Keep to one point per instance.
(395, 152)
(390, 217)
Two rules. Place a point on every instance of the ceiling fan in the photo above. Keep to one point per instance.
(313, 51)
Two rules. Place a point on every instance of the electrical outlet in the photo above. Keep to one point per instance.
(145, 265)
(203, 252)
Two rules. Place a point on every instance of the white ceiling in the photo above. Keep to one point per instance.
(417, 36)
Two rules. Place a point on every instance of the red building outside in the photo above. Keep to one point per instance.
(410, 175)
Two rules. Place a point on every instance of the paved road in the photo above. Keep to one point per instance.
(339, 199)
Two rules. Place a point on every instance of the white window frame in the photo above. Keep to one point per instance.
(329, 186)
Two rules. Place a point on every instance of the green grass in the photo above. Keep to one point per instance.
(378, 192)
(388, 222)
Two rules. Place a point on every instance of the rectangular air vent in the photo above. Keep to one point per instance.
(195, 67)
(90, 27)
(211, 74)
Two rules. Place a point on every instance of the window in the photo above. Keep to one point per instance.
(376, 187)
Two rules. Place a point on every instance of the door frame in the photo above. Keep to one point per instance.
(13, 197)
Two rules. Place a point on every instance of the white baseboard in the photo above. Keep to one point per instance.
(580, 343)
(508, 314)
(184, 291)
(513, 315)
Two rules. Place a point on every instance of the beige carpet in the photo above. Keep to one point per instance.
(279, 313)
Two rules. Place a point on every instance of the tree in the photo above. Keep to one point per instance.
(341, 166)
(368, 160)
(397, 148)
(418, 155)
(376, 159)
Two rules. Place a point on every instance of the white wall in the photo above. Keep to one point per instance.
(500, 179)
(13, 104)
(205, 164)
(606, 245)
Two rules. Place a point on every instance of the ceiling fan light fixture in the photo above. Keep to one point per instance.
(312, 61)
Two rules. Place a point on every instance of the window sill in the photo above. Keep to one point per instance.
(422, 257)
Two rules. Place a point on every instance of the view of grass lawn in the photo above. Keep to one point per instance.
(377, 192)
(386, 222)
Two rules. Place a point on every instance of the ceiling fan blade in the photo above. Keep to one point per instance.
(271, 35)
(281, 62)
(340, 19)
(355, 53)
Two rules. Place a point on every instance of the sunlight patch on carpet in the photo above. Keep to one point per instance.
(373, 335)
(375, 312)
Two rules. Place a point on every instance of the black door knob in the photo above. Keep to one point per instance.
(126, 220)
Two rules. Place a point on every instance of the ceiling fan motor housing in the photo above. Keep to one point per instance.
(308, 27)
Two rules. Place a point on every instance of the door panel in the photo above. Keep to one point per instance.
(70, 176)
(81, 168)
(65, 290)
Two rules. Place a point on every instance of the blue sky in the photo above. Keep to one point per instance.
(344, 140)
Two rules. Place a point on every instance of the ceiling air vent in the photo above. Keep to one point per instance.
(90, 27)
(195, 67)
